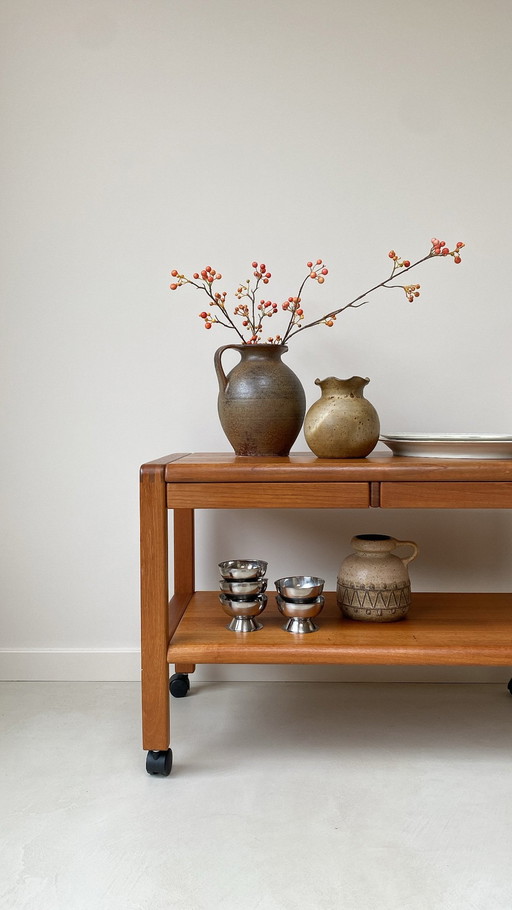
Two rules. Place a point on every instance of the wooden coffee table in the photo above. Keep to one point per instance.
(188, 627)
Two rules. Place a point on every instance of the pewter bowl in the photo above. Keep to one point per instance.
(242, 569)
(243, 590)
(300, 615)
(300, 588)
(243, 612)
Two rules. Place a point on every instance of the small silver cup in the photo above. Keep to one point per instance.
(243, 612)
(300, 615)
(242, 569)
(300, 588)
(243, 590)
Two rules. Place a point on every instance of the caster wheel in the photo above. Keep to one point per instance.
(179, 684)
(509, 687)
(159, 762)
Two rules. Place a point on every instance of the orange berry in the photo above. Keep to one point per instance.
(457, 259)
(392, 254)
(173, 287)
(207, 325)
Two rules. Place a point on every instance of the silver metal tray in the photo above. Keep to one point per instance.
(447, 445)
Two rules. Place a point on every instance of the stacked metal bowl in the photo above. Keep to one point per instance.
(243, 597)
(300, 599)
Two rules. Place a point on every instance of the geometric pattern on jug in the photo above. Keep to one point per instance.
(374, 615)
(372, 586)
(365, 598)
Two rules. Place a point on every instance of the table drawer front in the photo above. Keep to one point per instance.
(268, 495)
(491, 495)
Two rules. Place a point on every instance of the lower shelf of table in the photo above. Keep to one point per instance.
(452, 629)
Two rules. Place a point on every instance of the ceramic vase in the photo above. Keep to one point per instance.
(373, 583)
(342, 423)
(261, 401)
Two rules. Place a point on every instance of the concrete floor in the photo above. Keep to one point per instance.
(283, 796)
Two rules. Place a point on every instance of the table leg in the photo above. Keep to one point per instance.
(154, 608)
(184, 583)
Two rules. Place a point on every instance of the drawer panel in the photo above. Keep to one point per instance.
(446, 495)
(268, 495)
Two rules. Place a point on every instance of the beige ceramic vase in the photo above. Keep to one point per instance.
(342, 423)
(373, 583)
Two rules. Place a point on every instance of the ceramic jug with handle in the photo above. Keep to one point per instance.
(261, 401)
(373, 583)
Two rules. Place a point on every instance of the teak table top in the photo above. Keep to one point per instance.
(305, 467)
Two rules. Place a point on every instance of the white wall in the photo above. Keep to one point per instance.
(139, 137)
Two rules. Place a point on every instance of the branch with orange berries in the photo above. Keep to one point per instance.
(253, 313)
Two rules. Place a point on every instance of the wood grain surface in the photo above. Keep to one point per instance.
(268, 495)
(227, 467)
(454, 629)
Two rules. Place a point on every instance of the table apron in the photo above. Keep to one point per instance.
(446, 495)
(268, 495)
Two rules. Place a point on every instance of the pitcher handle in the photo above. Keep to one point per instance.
(221, 376)
(408, 543)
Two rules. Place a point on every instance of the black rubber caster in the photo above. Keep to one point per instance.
(179, 684)
(509, 687)
(159, 762)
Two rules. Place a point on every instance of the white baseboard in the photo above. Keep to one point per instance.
(124, 665)
(70, 664)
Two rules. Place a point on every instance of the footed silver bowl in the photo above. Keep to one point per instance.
(244, 590)
(242, 569)
(243, 612)
(300, 588)
(300, 615)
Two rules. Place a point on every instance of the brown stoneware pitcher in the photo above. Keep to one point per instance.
(261, 401)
